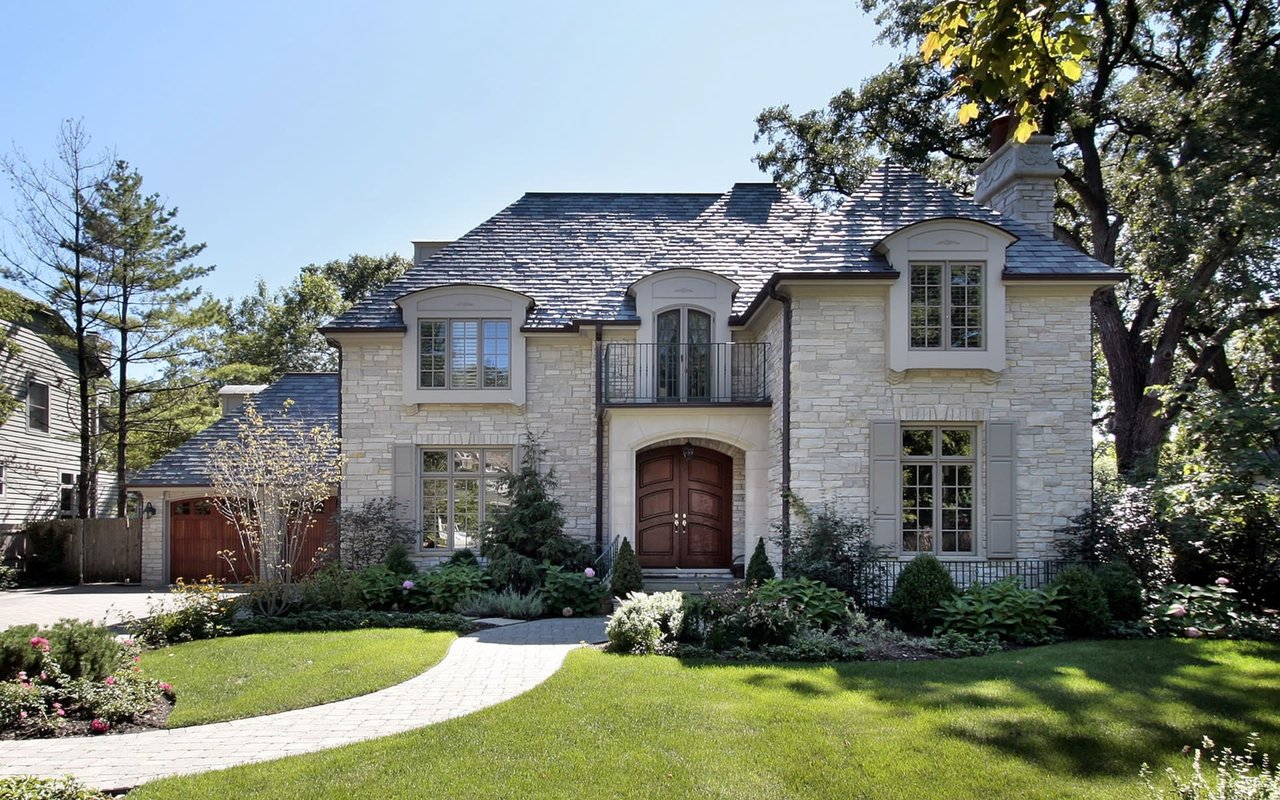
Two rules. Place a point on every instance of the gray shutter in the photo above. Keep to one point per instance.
(886, 496)
(1002, 484)
(405, 481)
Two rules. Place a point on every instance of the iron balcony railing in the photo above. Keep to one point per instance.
(730, 372)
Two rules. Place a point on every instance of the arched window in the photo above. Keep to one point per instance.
(683, 354)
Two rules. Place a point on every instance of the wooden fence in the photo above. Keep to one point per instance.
(111, 549)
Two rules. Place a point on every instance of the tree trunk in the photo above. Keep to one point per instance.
(121, 409)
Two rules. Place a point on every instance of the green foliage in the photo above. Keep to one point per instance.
(822, 607)
(954, 644)
(1229, 777)
(444, 587)
(1194, 611)
(83, 650)
(194, 611)
(370, 531)
(351, 620)
(739, 619)
(26, 787)
(1123, 591)
(759, 569)
(530, 529)
(1003, 609)
(506, 603)
(646, 624)
(1124, 524)
(829, 547)
(1083, 609)
(397, 560)
(625, 578)
(572, 593)
(8, 574)
(464, 558)
(922, 587)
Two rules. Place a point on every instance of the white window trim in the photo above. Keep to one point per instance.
(947, 264)
(977, 511)
(480, 353)
(48, 404)
(458, 303)
(450, 476)
(3, 479)
(954, 240)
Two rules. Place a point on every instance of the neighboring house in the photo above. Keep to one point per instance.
(183, 533)
(40, 436)
(913, 358)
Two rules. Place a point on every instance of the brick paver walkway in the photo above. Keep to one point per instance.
(480, 670)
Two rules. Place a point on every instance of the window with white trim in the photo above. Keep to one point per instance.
(2, 480)
(464, 354)
(946, 305)
(38, 406)
(939, 471)
(67, 494)
(461, 487)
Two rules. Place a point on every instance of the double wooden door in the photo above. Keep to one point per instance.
(684, 508)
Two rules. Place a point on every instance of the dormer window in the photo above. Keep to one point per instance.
(464, 354)
(946, 305)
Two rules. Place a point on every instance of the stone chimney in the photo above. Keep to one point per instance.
(233, 396)
(1018, 180)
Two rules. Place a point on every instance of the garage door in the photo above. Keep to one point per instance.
(198, 534)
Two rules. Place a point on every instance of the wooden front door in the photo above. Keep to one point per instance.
(684, 506)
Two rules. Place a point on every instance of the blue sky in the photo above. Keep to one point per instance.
(290, 133)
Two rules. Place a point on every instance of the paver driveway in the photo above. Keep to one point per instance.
(93, 603)
(480, 670)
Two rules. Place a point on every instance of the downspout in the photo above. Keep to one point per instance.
(599, 439)
(786, 418)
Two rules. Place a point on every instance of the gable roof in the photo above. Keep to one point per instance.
(47, 323)
(315, 402)
(575, 254)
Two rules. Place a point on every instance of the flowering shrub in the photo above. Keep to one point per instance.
(38, 702)
(571, 593)
(25, 787)
(1230, 776)
(194, 611)
(646, 623)
(82, 648)
(1195, 611)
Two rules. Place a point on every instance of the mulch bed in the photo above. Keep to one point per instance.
(152, 720)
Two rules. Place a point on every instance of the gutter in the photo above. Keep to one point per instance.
(599, 438)
(786, 417)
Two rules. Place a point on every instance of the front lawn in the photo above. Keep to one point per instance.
(245, 676)
(1067, 721)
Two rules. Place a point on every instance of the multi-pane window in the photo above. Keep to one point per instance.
(460, 489)
(67, 494)
(38, 406)
(464, 354)
(938, 475)
(946, 305)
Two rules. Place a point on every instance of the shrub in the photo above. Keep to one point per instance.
(922, 586)
(646, 623)
(506, 603)
(1082, 607)
(759, 569)
(370, 531)
(1004, 609)
(330, 589)
(742, 620)
(954, 644)
(194, 611)
(826, 546)
(442, 588)
(463, 558)
(625, 578)
(1123, 591)
(1194, 611)
(8, 577)
(1123, 524)
(806, 646)
(1233, 777)
(572, 593)
(351, 620)
(529, 530)
(377, 587)
(822, 607)
(397, 560)
(83, 650)
(25, 787)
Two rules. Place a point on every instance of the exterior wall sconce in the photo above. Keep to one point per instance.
(149, 510)
(687, 450)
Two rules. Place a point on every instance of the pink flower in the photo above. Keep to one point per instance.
(1194, 633)
(167, 688)
(22, 715)
(136, 659)
(589, 572)
(1223, 581)
(408, 584)
(44, 676)
(1177, 610)
(110, 680)
(59, 712)
(40, 643)
(100, 726)
(22, 676)
(57, 705)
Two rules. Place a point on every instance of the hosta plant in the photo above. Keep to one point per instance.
(821, 606)
(1003, 609)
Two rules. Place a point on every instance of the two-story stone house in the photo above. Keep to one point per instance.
(913, 357)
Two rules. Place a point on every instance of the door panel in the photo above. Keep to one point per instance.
(683, 508)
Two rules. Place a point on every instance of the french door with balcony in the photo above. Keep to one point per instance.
(683, 354)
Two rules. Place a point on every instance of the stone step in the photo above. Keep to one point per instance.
(687, 580)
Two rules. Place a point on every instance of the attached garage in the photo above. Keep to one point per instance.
(183, 533)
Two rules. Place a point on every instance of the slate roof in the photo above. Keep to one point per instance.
(315, 402)
(575, 254)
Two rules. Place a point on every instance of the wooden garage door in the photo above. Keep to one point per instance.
(198, 534)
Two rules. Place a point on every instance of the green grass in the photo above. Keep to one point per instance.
(245, 676)
(1068, 721)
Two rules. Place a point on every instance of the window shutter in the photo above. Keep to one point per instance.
(1001, 490)
(886, 496)
(404, 484)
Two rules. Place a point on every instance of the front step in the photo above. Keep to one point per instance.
(689, 581)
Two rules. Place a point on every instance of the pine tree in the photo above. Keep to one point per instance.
(626, 576)
(759, 569)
